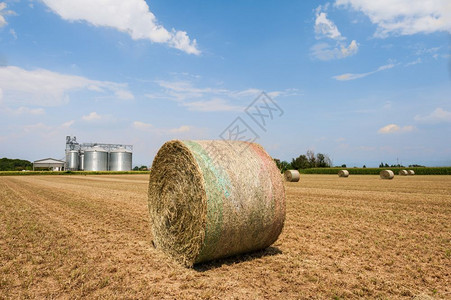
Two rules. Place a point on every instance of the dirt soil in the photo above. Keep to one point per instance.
(358, 237)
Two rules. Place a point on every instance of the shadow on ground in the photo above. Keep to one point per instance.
(210, 265)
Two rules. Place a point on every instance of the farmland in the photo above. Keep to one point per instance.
(89, 236)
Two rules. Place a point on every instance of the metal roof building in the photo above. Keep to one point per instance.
(55, 164)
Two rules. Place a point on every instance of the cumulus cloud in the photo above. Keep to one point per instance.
(3, 13)
(326, 28)
(46, 88)
(352, 76)
(93, 116)
(404, 17)
(132, 16)
(393, 128)
(437, 116)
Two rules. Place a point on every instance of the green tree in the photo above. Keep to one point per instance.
(300, 162)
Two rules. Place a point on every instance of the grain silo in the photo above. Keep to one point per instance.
(96, 159)
(120, 160)
(73, 160)
(97, 156)
(82, 160)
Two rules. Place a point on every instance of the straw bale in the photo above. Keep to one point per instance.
(343, 173)
(403, 173)
(212, 199)
(411, 172)
(292, 175)
(387, 174)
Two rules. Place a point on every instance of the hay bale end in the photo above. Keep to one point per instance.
(292, 175)
(212, 199)
(403, 173)
(387, 174)
(343, 173)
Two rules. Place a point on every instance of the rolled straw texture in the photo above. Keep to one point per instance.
(403, 172)
(411, 172)
(212, 199)
(343, 173)
(387, 174)
(292, 175)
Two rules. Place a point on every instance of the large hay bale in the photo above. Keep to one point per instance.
(212, 199)
(411, 172)
(343, 173)
(292, 175)
(387, 174)
(403, 173)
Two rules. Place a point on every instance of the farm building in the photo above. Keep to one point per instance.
(49, 163)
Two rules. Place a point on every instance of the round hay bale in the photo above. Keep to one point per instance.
(403, 173)
(387, 174)
(212, 199)
(343, 173)
(411, 172)
(292, 175)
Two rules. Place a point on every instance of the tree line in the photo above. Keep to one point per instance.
(305, 161)
(8, 164)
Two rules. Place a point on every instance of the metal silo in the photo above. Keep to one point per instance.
(96, 159)
(82, 161)
(72, 160)
(120, 160)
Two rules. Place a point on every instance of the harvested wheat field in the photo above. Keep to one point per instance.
(89, 236)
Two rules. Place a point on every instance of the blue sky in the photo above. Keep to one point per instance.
(360, 80)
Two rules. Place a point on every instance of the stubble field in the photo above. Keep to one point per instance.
(89, 237)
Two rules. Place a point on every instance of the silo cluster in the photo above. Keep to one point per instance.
(97, 157)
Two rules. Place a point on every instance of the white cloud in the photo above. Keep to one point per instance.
(68, 124)
(404, 17)
(393, 128)
(147, 127)
(93, 116)
(324, 51)
(210, 99)
(212, 105)
(437, 116)
(352, 76)
(181, 129)
(141, 125)
(124, 95)
(132, 16)
(325, 27)
(46, 88)
(417, 61)
(3, 13)
(26, 110)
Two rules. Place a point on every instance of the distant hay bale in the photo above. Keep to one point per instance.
(292, 175)
(411, 172)
(387, 174)
(212, 199)
(403, 173)
(343, 173)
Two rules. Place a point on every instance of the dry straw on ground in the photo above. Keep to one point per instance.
(343, 173)
(387, 174)
(411, 172)
(212, 199)
(292, 175)
(403, 173)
